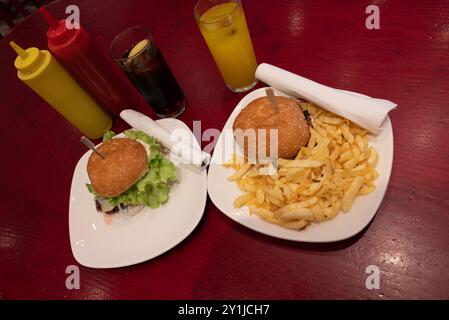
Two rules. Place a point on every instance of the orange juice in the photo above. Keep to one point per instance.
(226, 33)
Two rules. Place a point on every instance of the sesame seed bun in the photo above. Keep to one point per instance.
(293, 131)
(125, 162)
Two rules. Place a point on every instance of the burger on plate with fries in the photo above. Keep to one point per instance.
(323, 162)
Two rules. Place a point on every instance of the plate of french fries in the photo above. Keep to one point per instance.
(329, 192)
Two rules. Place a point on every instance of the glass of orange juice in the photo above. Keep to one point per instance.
(223, 25)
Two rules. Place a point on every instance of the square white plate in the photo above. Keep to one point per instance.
(223, 192)
(100, 241)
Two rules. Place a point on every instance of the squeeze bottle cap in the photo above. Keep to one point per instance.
(28, 60)
(57, 32)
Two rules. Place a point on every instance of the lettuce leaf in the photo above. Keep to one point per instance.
(167, 171)
(152, 189)
(108, 135)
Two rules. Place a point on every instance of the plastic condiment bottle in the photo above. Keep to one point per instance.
(42, 73)
(76, 50)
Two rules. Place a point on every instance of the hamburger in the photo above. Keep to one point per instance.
(285, 116)
(134, 173)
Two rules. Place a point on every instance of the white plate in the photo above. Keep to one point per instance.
(223, 192)
(125, 240)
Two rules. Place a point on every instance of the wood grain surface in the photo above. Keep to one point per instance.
(406, 61)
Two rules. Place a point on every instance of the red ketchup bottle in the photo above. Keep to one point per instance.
(76, 50)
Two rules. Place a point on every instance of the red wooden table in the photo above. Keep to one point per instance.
(406, 61)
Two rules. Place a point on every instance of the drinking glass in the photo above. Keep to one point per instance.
(143, 63)
(224, 28)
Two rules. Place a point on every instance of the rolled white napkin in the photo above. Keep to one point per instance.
(369, 113)
(186, 150)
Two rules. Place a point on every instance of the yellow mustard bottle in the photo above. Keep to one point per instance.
(39, 70)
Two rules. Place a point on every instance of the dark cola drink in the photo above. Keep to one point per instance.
(145, 66)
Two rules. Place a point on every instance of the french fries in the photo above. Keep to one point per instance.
(325, 178)
(351, 193)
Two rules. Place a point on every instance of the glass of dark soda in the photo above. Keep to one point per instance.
(142, 61)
